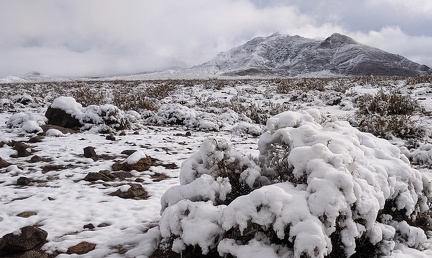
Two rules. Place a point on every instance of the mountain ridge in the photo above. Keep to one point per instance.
(284, 55)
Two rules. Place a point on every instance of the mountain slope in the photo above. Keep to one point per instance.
(294, 55)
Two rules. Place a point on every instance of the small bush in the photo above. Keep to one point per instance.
(388, 114)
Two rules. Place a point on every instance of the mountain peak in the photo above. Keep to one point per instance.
(337, 40)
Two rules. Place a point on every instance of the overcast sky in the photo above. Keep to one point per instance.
(107, 37)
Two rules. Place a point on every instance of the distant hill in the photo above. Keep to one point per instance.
(294, 55)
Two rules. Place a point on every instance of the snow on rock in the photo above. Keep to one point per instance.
(319, 186)
(54, 133)
(69, 105)
(135, 157)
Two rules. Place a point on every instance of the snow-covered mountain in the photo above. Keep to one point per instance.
(294, 55)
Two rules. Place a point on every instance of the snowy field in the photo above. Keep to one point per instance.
(239, 168)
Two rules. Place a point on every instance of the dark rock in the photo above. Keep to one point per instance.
(187, 134)
(4, 163)
(59, 117)
(81, 248)
(110, 137)
(35, 159)
(89, 152)
(23, 181)
(103, 175)
(106, 176)
(122, 133)
(128, 152)
(21, 149)
(89, 226)
(136, 133)
(103, 225)
(28, 238)
(122, 175)
(142, 165)
(136, 191)
(139, 180)
(36, 139)
(37, 253)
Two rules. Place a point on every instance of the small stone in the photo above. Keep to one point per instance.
(89, 152)
(103, 225)
(139, 180)
(136, 133)
(51, 198)
(26, 214)
(81, 248)
(110, 137)
(89, 226)
(187, 134)
(23, 181)
(35, 159)
(21, 149)
(128, 152)
(36, 139)
(122, 133)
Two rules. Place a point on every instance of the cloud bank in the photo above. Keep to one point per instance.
(107, 37)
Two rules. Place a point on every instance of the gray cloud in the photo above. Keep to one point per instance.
(107, 37)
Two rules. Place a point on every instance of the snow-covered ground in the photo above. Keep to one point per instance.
(182, 127)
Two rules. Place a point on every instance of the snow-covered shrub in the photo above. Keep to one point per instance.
(247, 128)
(28, 122)
(388, 114)
(422, 155)
(321, 188)
(177, 114)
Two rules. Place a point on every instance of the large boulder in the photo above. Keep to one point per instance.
(22, 240)
(59, 117)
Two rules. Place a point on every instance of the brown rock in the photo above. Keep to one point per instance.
(135, 191)
(26, 214)
(36, 139)
(89, 152)
(142, 165)
(4, 163)
(28, 238)
(103, 175)
(21, 149)
(81, 248)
